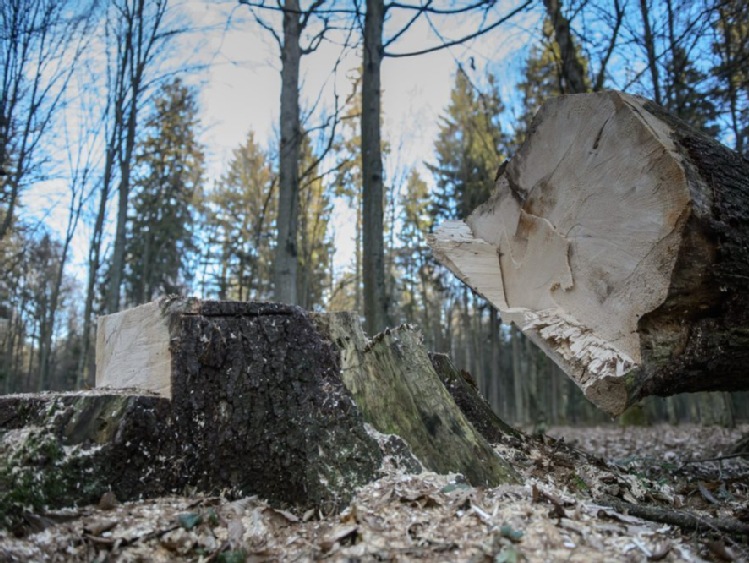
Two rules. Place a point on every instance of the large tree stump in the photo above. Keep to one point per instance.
(255, 398)
(617, 239)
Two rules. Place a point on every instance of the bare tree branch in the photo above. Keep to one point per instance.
(466, 38)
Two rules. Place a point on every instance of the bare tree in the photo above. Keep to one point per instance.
(135, 38)
(80, 141)
(40, 44)
(296, 20)
(137, 32)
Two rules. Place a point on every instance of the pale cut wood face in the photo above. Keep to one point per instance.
(581, 233)
(132, 350)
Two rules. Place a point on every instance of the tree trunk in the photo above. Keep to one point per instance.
(572, 70)
(246, 398)
(650, 50)
(373, 244)
(94, 263)
(394, 382)
(285, 267)
(623, 244)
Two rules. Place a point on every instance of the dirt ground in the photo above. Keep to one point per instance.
(588, 494)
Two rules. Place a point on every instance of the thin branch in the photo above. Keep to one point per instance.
(408, 25)
(681, 518)
(301, 12)
(442, 11)
(466, 38)
(619, 10)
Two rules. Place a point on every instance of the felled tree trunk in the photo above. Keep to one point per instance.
(617, 239)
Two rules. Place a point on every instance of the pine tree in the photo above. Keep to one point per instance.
(420, 289)
(543, 78)
(167, 191)
(241, 213)
(469, 148)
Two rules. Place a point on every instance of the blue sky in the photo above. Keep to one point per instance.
(239, 85)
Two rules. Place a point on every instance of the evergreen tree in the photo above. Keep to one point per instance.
(420, 289)
(241, 213)
(684, 97)
(731, 43)
(543, 78)
(167, 192)
(470, 147)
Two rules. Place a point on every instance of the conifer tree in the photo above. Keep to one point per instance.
(470, 148)
(167, 190)
(242, 211)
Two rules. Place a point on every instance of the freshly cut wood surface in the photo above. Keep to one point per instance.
(616, 239)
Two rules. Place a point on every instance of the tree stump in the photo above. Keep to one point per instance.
(617, 239)
(237, 398)
(399, 392)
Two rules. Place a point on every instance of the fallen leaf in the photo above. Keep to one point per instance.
(189, 520)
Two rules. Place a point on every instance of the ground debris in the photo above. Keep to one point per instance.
(559, 513)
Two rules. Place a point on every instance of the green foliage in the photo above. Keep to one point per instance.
(241, 215)
(167, 192)
(34, 475)
(731, 45)
(543, 78)
(469, 148)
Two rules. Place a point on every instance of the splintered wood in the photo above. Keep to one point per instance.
(617, 240)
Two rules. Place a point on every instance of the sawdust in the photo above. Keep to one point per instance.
(560, 513)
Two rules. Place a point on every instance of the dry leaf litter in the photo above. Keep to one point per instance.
(560, 513)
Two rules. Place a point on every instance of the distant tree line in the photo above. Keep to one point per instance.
(129, 153)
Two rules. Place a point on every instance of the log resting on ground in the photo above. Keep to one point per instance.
(617, 239)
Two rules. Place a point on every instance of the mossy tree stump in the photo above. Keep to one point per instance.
(238, 398)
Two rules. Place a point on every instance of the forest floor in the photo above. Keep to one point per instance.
(589, 494)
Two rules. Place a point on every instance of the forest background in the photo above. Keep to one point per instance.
(116, 185)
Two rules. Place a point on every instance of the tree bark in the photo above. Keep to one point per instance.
(285, 266)
(618, 239)
(394, 382)
(572, 70)
(373, 244)
(650, 50)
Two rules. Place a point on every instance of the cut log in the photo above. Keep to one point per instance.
(255, 398)
(617, 239)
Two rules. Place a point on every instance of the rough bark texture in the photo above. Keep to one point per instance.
(285, 266)
(394, 383)
(63, 449)
(461, 385)
(373, 215)
(260, 402)
(255, 398)
(618, 240)
(257, 407)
